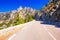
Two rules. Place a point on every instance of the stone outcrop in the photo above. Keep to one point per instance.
(51, 12)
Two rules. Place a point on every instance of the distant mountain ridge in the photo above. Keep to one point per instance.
(15, 17)
(20, 10)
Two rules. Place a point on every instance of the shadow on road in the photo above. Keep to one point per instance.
(51, 23)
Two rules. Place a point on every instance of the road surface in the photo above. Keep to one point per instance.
(36, 31)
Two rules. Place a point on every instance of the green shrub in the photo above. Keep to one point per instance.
(18, 20)
(1, 25)
(28, 18)
(1, 28)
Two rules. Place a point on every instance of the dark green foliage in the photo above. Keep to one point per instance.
(28, 18)
(8, 24)
(18, 20)
(1, 28)
(1, 25)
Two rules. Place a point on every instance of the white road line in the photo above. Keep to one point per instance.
(12, 37)
(50, 33)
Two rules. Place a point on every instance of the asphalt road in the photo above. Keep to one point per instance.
(37, 31)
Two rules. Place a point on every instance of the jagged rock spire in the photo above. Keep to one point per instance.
(20, 8)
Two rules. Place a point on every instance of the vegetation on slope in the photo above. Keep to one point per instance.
(16, 21)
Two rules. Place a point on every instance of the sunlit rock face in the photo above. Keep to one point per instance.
(12, 15)
(51, 11)
(23, 12)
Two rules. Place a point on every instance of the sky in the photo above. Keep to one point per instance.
(8, 5)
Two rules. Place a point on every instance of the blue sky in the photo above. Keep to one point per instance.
(7, 5)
